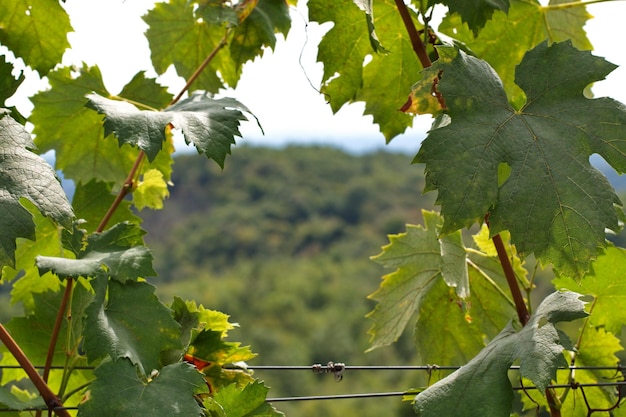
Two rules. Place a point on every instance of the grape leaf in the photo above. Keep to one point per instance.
(476, 13)
(539, 346)
(210, 124)
(416, 255)
(118, 249)
(13, 402)
(25, 272)
(605, 282)
(36, 30)
(450, 331)
(75, 133)
(506, 38)
(8, 85)
(151, 190)
(119, 392)
(23, 174)
(383, 84)
(248, 402)
(93, 199)
(554, 203)
(131, 323)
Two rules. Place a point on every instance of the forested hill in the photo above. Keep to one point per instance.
(296, 202)
(281, 241)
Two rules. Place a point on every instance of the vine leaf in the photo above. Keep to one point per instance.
(210, 124)
(554, 203)
(186, 36)
(383, 84)
(8, 85)
(116, 251)
(476, 13)
(75, 133)
(36, 30)
(23, 174)
(605, 282)
(538, 345)
(505, 38)
(119, 391)
(419, 264)
(246, 402)
(151, 190)
(130, 323)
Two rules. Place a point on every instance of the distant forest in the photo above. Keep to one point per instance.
(281, 241)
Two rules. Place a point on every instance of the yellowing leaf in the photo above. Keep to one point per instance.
(151, 190)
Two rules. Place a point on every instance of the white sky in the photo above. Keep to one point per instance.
(109, 33)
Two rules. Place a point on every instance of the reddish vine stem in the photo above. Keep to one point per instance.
(52, 401)
(416, 40)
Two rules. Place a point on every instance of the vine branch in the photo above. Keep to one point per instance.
(416, 41)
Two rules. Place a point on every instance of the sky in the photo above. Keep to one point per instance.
(277, 88)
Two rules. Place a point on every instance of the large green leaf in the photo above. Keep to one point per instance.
(506, 38)
(130, 323)
(36, 30)
(119, 392)
(554, 203)
(210, 124)
(607, 285)
(8, 85)
(116, 251)
(483, 387)
(64, 124)
(23, 174)
(384, 83)
(416, 256)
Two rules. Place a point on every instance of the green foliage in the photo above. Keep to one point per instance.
(538, 345)
(547, 144)
(509, 149)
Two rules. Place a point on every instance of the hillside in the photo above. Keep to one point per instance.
(281, 241)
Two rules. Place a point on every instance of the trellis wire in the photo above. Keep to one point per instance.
(338, 369)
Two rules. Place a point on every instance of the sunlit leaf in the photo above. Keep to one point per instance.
(246, 402)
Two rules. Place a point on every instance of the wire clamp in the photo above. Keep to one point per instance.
(331, 368)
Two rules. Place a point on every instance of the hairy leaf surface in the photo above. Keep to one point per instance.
(210, 124)
(554, 203)
(483, 387)
(23, 174)
(119, 392)
(36, 30)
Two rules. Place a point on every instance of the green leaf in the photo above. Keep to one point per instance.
(75, 133)
(34, 331)
(416, 256)
(384, 83)
(130, 323)
(476, 13)
(506, 38)
(606, 284)
(36, 30)
(24, 174)
(210, 124)
(118, 391)
(8, 85)
(257, 32)
(547, 144)
(93, 199)
(151, 190)
(118, 249)
(13, 402)
(246, 402)
(483, 384)
(450, 331)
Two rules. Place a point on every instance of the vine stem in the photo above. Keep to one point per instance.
(52, 401)
(416, 41)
